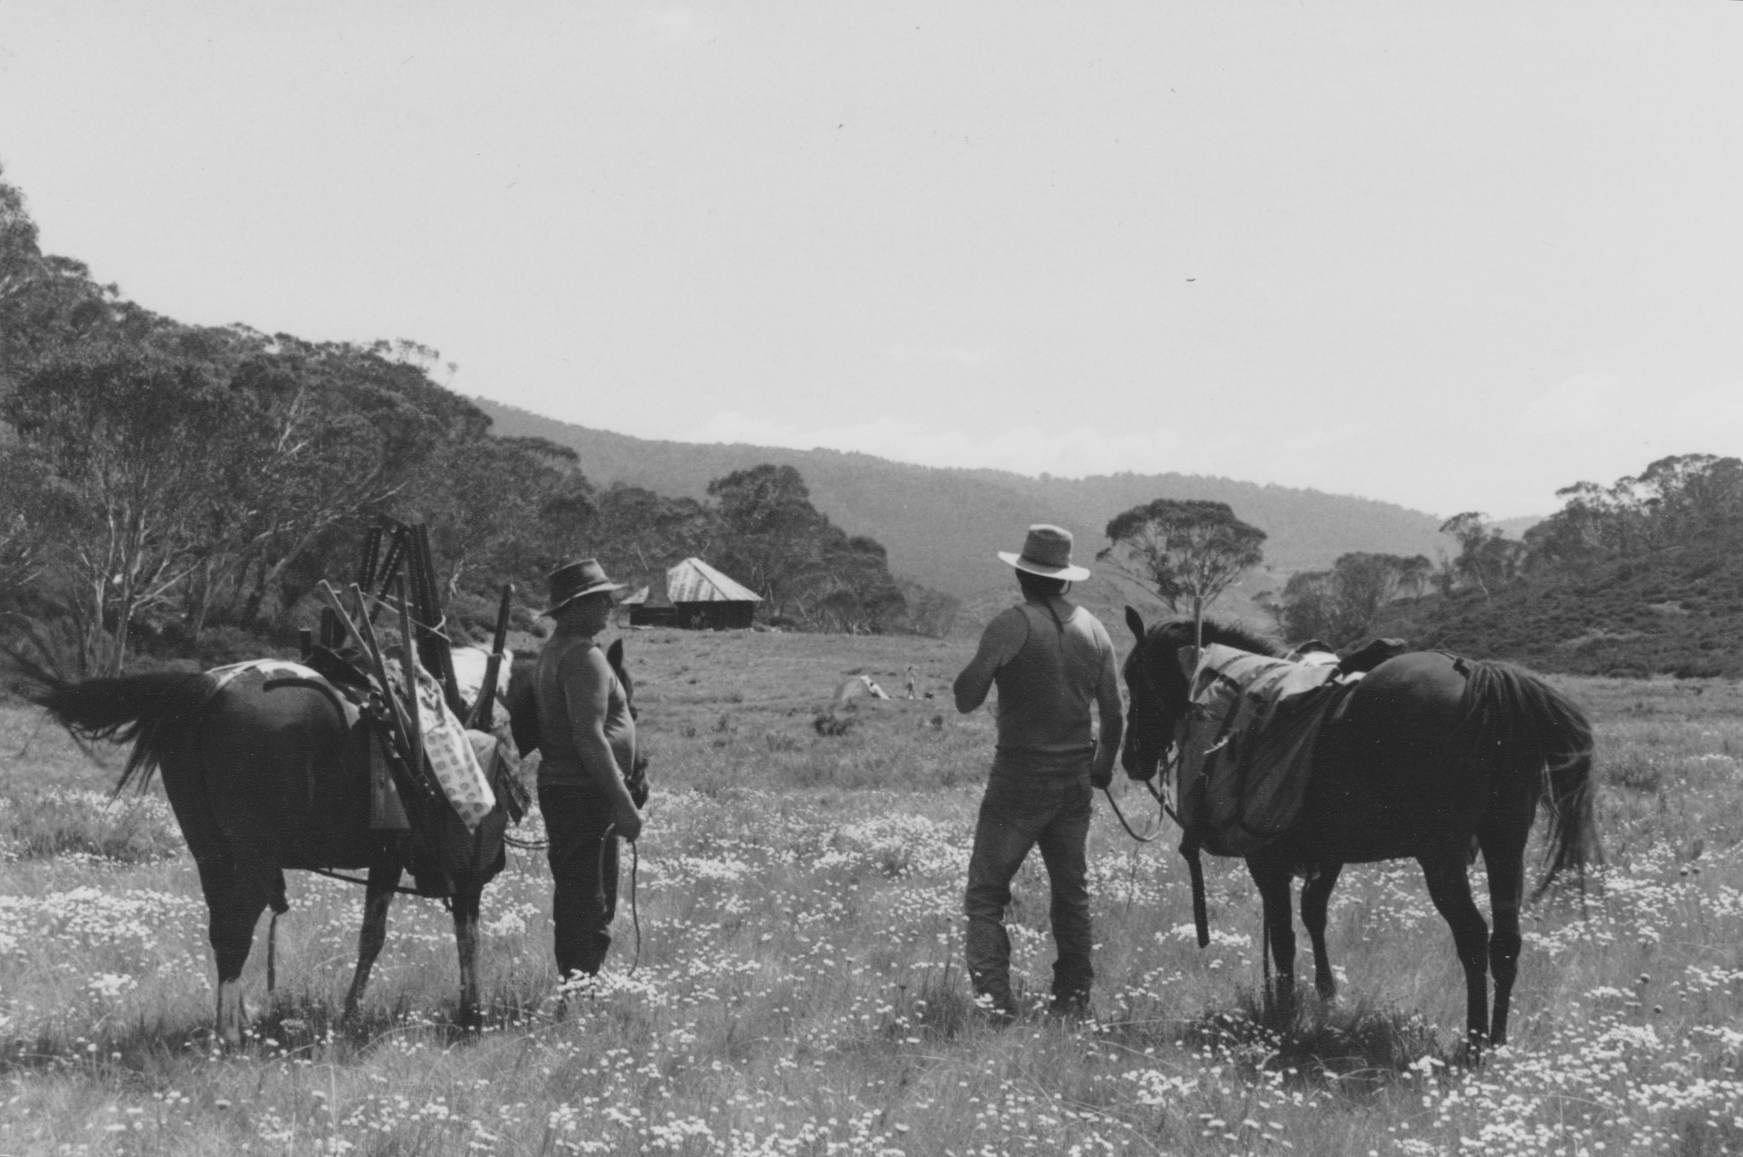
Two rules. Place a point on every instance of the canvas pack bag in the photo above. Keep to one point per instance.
(1247, 745)
(448, 753)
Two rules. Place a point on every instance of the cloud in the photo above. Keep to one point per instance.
(953, 355)
(677, 24)
(1714, 414)
(1583, 403)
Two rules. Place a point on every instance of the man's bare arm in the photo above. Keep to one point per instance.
(1113, 722)
(586, 679)
(999, 644)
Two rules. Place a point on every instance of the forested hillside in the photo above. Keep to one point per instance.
(944, 527)
(1678, 611)
(179, 491)
(1641, 577)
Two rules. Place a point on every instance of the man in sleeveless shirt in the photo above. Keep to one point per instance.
(586, 749)
(1052, 662)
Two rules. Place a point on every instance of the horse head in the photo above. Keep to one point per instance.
(523, 705)
(614, 656)
(1158, 674)
(1148, 735)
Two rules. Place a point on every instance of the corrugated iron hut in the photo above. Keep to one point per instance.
(651, 607)
(708, 600)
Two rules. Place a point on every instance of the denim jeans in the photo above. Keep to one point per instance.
(1018, 812)
(584, 897)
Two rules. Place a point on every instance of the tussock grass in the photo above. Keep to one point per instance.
(799, 985)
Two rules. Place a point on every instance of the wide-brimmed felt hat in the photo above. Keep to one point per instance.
(1047, 552)
(574, 579)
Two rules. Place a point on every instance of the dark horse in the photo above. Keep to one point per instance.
(1432, 753)
(265, 776)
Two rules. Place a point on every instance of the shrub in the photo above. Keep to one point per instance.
(129, 830)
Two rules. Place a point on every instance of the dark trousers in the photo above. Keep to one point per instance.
(1018, 813)
(583, 872)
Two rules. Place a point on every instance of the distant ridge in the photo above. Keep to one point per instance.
(943, 527)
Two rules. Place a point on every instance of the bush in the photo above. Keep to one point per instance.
(830, 725)
(134, 829)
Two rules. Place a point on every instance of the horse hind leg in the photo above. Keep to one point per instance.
(234, 906)
(1450, 888)
(1504, 857)
(1273, 875)
(378, 894)
(1315, 897)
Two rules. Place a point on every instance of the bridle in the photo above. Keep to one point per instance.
(1189, 844)
(1166, 764)
(1161, 800)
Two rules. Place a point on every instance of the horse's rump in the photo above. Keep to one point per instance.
(285, 774)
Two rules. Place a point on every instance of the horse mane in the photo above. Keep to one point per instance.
(1177, 633)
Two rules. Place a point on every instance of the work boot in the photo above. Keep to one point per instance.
(1070, 1006)
(999, 1009)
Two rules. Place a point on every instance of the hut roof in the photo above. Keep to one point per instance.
(694, 581)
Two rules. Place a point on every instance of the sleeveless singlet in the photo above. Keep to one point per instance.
(1048, 691)
(559, 758)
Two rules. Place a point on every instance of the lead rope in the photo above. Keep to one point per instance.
(635, 860)
(1161, 800)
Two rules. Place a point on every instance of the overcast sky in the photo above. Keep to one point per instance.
(1451, 255)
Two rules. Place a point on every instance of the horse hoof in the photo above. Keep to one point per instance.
(1470, 1054)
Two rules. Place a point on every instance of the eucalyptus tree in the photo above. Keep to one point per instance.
(126, 443)
(1188, 551)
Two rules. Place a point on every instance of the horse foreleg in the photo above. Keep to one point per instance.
(1272, 875)
(378, 894)
(1315, 896)
(1505, 859)
(466, 904)
(1450, 889)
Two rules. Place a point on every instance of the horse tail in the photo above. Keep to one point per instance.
(1536, 733)
(154, 711)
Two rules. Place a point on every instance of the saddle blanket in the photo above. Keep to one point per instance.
(1247, 745)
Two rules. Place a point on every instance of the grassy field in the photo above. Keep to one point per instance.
(798, 986)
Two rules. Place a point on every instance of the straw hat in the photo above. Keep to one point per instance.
(1047, 552)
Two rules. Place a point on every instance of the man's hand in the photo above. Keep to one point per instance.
(1101, 771)
(627, 820)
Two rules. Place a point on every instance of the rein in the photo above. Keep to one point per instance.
(1189, 847)
(635, 860)
(1150, 786)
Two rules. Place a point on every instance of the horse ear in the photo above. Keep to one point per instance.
(1135, 621)
(614, 653)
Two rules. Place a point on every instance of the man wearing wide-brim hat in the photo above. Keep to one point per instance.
(586, 759)
(1052, 662)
